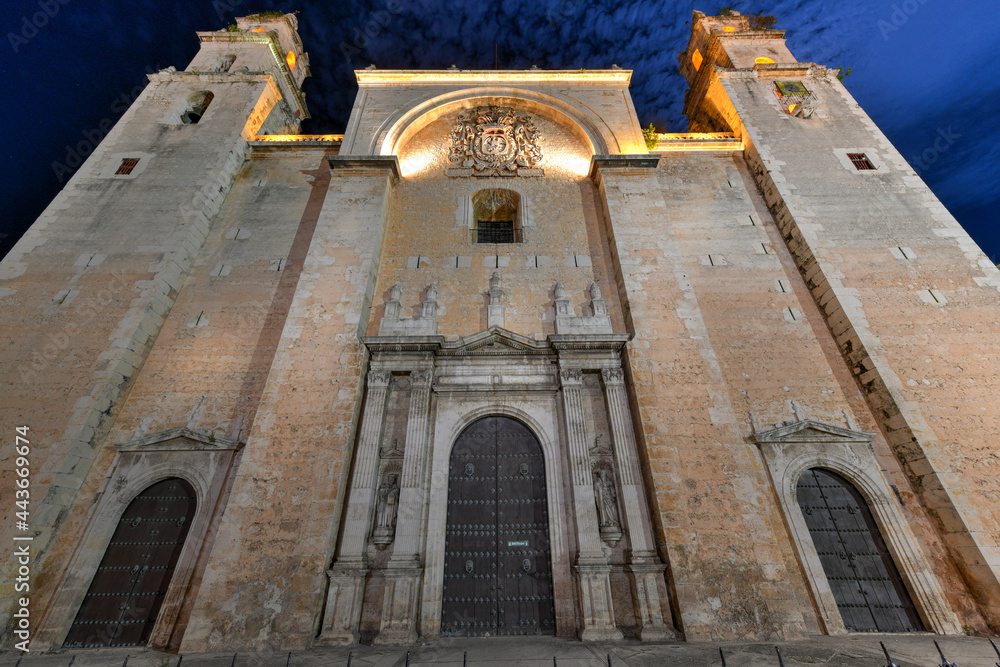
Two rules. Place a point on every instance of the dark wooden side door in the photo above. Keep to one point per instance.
(128, 589)
(497, 571)
(863, 577)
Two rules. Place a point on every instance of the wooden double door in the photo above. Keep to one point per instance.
(497, 570)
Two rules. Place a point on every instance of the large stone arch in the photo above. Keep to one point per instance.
(590, 129)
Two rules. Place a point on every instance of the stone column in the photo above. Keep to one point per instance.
(592, 566)
(405, 569)
(347, 575)
(644, 565)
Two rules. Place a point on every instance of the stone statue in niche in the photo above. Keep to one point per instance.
(607, 506)
(494, 141)
(386, 510)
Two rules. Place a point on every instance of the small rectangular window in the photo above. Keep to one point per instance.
(126, 167)
(496, 231)
(860, 161)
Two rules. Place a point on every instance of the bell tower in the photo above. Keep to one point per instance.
(108, 257)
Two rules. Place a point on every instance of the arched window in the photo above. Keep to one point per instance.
(224, 63)
(864, 580)
(197, 103)
(128, 588)
(496, 216)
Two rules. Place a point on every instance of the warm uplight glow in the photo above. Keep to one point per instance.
(298, 137)
(729, 28)
(763, 60)
(258, 30)
(416, 163)
(290, 59)
(696, 60)
(792, 108)
(576, 164)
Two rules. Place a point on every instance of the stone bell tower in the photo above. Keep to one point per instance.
(890, 268)
(109, 256)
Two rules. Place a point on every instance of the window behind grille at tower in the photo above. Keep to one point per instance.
(860, 161)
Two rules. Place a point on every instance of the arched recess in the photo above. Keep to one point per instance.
(204, 462)
(497, 568)
(450, 428)
(861, 572)
(789, 451)
(130, 584)
(595, 135)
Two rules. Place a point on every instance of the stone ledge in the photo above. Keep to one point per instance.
(624, 161)
(366, 162)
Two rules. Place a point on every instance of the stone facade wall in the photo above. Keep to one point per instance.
(89, 287)
(430, 224)
(894, 275)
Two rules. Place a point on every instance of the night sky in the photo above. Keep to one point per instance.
(921, 70)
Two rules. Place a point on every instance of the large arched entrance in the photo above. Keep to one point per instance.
(131, 582)
(864, 580)
(497, 571)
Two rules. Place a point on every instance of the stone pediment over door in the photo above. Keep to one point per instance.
(809, 430)
(496, 341)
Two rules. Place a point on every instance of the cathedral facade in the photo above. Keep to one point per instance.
(490, 363)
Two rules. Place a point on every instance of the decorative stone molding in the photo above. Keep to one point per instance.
(793, 448)
(568, 323)
(393, 324)
(494, 141)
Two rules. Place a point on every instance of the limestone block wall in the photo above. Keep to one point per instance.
(429, 240)
(87, 289)
(727, 343)
(708, 485)
(265, 581)
(911, 300)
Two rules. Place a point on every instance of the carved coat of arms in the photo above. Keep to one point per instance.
(494, 141)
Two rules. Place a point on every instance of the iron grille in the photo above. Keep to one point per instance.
(496, 231)
(126, 167)
(860, 161)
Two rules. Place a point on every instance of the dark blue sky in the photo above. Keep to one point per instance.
(921, 70)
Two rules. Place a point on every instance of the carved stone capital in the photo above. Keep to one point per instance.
(571, 377)
(379, 378)
(613, 376)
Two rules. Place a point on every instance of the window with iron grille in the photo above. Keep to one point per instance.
(496, 231)
(860, 161)
(126, 167)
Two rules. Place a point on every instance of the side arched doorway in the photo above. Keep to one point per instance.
(130, 584)
(497, 569)
(865, 582)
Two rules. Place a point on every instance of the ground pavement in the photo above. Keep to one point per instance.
(858, 650)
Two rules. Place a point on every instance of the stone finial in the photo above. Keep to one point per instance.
(559, 291)
(495, 314)
(392, 305)
(430, 302)
(599, 305)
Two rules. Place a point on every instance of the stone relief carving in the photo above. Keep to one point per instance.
(494, 141)
(385, 511)
(607, 506)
